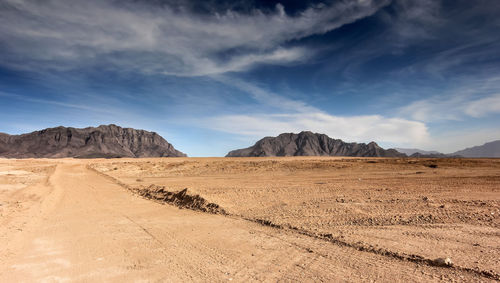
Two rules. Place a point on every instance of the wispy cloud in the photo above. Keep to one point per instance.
(295, 116)
(434, 109)
(471, 102)
(349, 128)
(454, 140)
(53, 102)
(70, 34)
(407, 128)
(415, 20)
(265, 97)
(484, 106)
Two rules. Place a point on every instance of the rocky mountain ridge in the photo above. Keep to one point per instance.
(103, 141)
(311, 144)
(489, 149)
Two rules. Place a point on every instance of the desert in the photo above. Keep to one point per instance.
(249, 141)
(269, 219)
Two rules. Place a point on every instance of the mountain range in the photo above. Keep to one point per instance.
(110, 141)
(490, 149)
(410, 151)
(103, 141)
(311, 144)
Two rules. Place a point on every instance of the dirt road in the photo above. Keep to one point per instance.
(76, 225)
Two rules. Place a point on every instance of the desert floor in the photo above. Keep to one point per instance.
(256, 219)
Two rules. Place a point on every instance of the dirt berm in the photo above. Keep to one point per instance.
(180, 199)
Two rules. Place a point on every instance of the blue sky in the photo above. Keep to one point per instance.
(212, 76)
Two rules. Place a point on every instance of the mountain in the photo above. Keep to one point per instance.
(311, 144)
(434, 155)
(490, 149)
(103, 141)
(410, 151)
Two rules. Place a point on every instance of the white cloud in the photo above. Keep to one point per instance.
(452, 141)
(455, 107)
(68, 34)
(434, 109)
(483, 106)
(352, 128)
(295, 116)
(280, 56)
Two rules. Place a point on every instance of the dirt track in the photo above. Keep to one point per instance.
(76, 220)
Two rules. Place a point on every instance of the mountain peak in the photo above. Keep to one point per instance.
(307, 143)
(91, 142)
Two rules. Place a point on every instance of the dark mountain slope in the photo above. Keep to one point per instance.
(311, 144)
(490, 149)
(103, 141)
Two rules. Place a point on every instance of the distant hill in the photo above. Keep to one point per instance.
(419, 153)
(103, 141)
(410, 151)
(490, 149)
(434, 155)
(311, 144)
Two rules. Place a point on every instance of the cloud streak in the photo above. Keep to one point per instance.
(455, 108)
(295, 116)
(484, 106)
(139, 36)
(352, 128)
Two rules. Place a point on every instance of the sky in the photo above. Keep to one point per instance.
(213, 76)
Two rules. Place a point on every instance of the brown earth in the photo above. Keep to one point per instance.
(249, 219)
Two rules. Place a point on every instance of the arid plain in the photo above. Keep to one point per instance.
(254, 219)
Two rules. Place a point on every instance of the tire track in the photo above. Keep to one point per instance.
(330, 238)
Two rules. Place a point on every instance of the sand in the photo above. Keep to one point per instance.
(276, 219)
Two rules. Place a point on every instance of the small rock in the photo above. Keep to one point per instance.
(443, 262)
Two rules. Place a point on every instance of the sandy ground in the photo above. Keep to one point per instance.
(286, 219)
